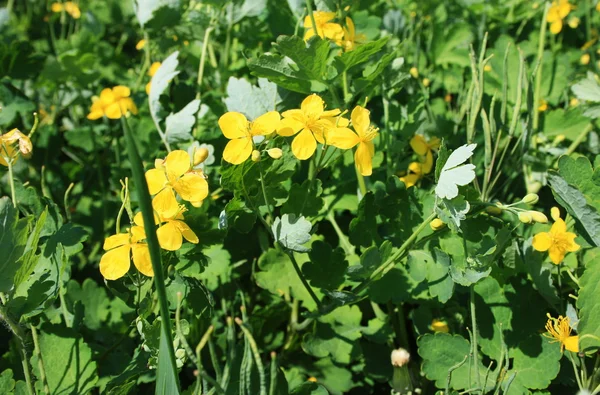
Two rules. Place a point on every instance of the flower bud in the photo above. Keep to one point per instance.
(255, 156)
(531, 198)
(439, 326)
(573, 22)
(574, 102)
(538, 217)
(414, 72)
(200, 155)
(487, 68)
(584, 59)
(493, 210)
(275, 153)
(559, 139)
(437, 224)
(312, 379)
(400, 357)
(426, 82)
(525, 217)
(555, 213)
(180, 354)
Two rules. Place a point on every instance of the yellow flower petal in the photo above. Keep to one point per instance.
(106, 96)
(290, 125)
(542, 241)
(140, 45)
(419, 145)
(153, 69)
(571, 245)
(428, 163)
(141, 259)
(187, 232)
(360, 120)
(113, 111)
(192, 187)
(169, 236)
(234, 125)
(559, 227)
(304, 145)
(342, 138)
(115, 263)
(265, 124)
(115, 241)
(557, 255)
(555, 213)
(137, 232)
(56, 7)
(121, 91)
(238, 150)
(312, 106)
(572, 343)
(410, 180)
(165, 203)
(177, 163)
(556, 27)
(93, 115)
(156, 180)
(364, 158)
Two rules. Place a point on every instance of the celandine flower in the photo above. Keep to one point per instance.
(240, 132)
(345, 138)
(559, 330)
(312, 122)
(414, 174)
(121, 249)
(175, 174)
(557, 12)
(69, 7)
(425, 148)
(558, 241)
(112, 103)
(172, 230)
(325, 28)
(439, 326)
(351, 39)
(8, 146)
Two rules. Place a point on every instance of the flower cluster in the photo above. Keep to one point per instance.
(112, 103)
(12, 144)
(69, 7)
(557, 13)
(344, 36)
(557, 241)
(310, 125)
(424, 150)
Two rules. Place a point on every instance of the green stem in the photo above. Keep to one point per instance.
(345, 244)
(264, 191)
(538, 74)
(312, 17)
(273, 378)
(474, 327)
(18, 332)
(203, 60)
(361, 182)
(36, 346)
(150, 228)
(11, 181)
(255, 353)
(384, 267)
(345, 85)
(303, 279)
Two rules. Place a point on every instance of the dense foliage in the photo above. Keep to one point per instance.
(303, 197)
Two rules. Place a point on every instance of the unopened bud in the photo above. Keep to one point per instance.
(584, 59)
(437, 224)
(573, 22)
(426, 82)
(180, 354)
(531, 198)
(538, 217)
(559, 139)
(275, 153)
(487, 68)
(312, 379)
(414, 72)
(255, 156)
(555, 213)
(493, 210)
(574, 102)
(400, 357)
(439, 326)
(200, 155)
(525, 217)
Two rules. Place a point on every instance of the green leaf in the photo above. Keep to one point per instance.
(589, 303)
(359, 55)
(67, 359)
(167, 381)
(587, 89)
(252, 101)
(493, 316)
(13, 241)
(569, 123)
(7, 383)
(145, 10)
(451, 46)
(292, 232)
(248, 8)
(309, 389)
(29, 259)
(443, 155)
(179, 126)
(160, 81)
(239, 216)
(441, 284)
(363, 228)
(304, 199)
(326, 267)
(96, 305)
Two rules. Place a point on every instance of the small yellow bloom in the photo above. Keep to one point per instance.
(8, 149)
(140, 45)
(557, 13)
(112, 103)
(172, 230)
(574, 102)
(439, 326)
(325, 28)
(525, 217)
(121, 249)
(425, 148)
(436, 224)
(351, 39)
(151, 71)
(558, 241)
(69, 7)
(414, 72)
(311, 122)
(559, 330)
(543, 105)
(344, 138)
(240, 131)
(426, 82)
(487, 68)
(414, 174)
(585, 59)
(312, 379)
(175, 174)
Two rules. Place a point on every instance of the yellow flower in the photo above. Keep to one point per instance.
(425, 149)
(585, 59)
(436, 224)
(175, 174)
(69, 7)
(345, 138)
(351, 39)
(151, 71)
(414, 174)
(112, 103)
(140, 45)
(8, 150)
(439, 326)
(559, 330)
(240, 132)
(414, 72)
(543, 105)
(325, 28)
(557, 12)
(172, 231)
(558, 241)
(312, 121)
(121, 249)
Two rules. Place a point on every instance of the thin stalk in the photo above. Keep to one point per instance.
(538, 74)
(303, 279)
(264, 191)
(255, 353)
(18, 332)
(344, 243)
(273, 378)
(361, 182)
(36, 346)
(345, 85)
(203, 60)
(474, 326)
(575, 371)
(150, 228)
(312, 17)
(399, 253)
